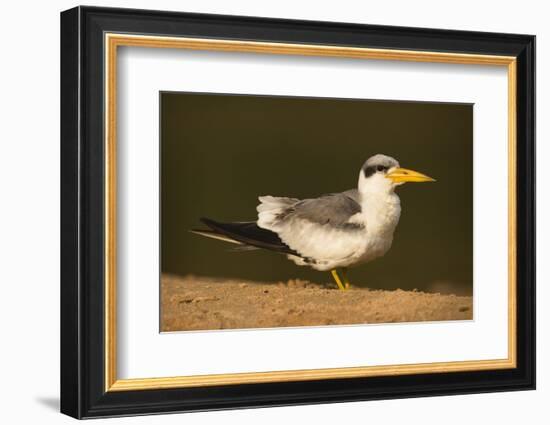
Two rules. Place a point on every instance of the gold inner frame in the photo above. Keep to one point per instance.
(113, 41)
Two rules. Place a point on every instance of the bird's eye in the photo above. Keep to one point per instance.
(381, 168)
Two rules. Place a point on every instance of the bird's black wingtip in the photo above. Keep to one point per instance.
(248, 233)
(208, 221)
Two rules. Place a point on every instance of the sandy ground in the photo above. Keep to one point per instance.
(199, 303)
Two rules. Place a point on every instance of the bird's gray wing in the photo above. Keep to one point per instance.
(334, 210)
(318, 229)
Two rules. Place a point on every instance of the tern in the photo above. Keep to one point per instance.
(331, 232)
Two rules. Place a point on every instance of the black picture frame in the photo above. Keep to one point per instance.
(83, 392)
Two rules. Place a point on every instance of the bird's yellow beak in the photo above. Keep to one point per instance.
(402, 175)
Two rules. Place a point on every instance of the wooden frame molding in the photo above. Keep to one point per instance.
(114, 40)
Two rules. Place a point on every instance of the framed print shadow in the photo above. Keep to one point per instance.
(261, 212)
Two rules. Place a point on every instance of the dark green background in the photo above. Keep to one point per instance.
(220, 152)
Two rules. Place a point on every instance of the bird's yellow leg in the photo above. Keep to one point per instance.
(344, 273)
(337, 280)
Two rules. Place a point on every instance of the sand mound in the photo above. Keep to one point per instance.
(199, 303)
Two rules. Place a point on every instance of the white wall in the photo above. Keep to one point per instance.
(29, 224)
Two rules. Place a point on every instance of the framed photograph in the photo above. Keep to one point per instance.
(261, 212)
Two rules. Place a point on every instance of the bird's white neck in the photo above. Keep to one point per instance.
(380, 205)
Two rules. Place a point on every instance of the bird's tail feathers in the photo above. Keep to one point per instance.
(215, 235)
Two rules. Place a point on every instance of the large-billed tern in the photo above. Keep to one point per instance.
(331, 232)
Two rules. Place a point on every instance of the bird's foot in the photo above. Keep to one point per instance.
(344, 273)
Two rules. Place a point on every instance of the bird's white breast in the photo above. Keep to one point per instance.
(380, 214)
